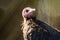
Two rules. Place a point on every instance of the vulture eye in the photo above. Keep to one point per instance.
(27, 10)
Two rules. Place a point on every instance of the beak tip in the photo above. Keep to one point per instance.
(34, 9)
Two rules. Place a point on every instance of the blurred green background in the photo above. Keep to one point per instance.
(11, 18)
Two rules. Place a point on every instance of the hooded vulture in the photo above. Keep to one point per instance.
(34, 29)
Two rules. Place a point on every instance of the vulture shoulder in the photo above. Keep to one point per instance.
(47, 27)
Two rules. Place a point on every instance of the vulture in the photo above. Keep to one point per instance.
(34, 29)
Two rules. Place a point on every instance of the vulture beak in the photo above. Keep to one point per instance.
(32, 10)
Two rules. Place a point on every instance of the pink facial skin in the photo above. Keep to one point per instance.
(28, 15)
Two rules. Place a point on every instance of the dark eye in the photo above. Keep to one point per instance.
(27, 10)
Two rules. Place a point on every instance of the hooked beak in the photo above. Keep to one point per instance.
(32, 10)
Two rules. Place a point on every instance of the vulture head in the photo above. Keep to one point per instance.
(28, 12)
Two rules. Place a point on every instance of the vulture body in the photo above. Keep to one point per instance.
(34, 29)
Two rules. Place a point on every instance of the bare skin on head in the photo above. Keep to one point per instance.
(28, 12)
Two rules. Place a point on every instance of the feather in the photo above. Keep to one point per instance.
(34, 29)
